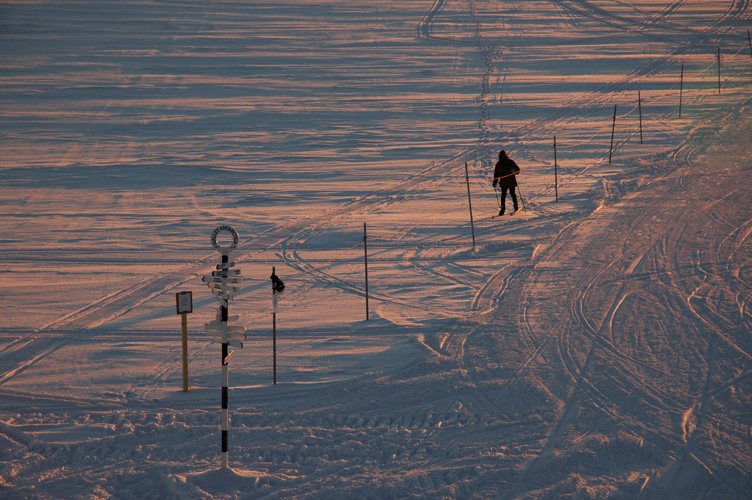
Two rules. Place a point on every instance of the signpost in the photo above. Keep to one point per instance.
(184, 304)
(223, 283)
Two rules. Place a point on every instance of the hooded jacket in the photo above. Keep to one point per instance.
(506, 171)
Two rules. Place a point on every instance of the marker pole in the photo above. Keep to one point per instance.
(556, 173)
(681, 88)
(639, 107)
(365, 255)
(613, 128)
(274, 327)
(719, 70)
(470, 203)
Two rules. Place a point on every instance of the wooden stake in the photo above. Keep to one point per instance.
(184, 306)
(185, 351)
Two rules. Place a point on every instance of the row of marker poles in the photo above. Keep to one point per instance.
(681, 95)
(613, 129)
(470, 203)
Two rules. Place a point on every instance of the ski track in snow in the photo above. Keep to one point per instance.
(594, 349)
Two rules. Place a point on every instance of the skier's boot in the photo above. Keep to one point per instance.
(501, 212)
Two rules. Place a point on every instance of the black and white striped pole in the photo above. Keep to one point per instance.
(223, 283)
(224, 312)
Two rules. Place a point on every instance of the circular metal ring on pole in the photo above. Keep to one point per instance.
(225, 250)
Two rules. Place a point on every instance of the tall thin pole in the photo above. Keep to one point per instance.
(225, 380)
(681, 88)
(277, 288)
(185, 351)
(749, 39)
(613, 128)
(274, 344)
(365, 253)
(719, 70)
(639, 106)
(470, 203)
(556, 172)
(274, 325)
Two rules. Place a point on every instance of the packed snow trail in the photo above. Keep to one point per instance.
(631, 319)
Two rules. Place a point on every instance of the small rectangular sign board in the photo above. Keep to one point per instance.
(184, 302)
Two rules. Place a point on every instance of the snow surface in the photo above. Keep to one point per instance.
(594, 347)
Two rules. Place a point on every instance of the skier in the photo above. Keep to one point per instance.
(504, 175)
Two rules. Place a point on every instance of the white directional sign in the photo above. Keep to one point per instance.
(235, 280)
(224, 281)
(224, 332)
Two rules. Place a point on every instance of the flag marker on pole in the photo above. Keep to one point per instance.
(277, 288)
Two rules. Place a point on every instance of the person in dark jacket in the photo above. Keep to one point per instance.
(505, 176)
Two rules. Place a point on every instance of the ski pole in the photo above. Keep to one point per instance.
(498, 200)
(519, 191)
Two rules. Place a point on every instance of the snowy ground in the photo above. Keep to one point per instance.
(595, 347)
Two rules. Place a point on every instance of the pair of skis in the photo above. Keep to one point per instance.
(503, 215)
(498, 202)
